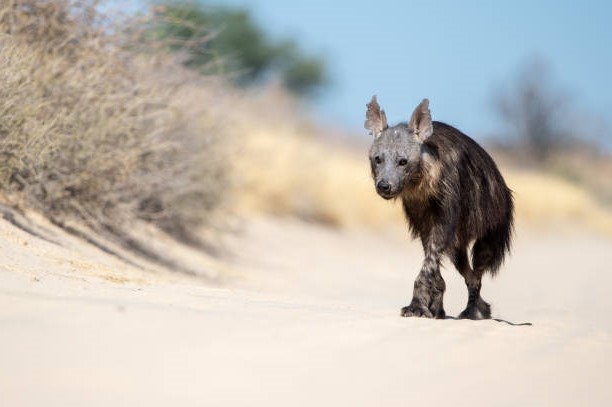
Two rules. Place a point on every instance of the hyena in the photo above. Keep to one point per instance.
(453, 196)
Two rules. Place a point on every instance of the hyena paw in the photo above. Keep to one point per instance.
(480, 310)
(416, 311)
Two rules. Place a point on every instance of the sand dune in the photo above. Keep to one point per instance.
(303, 316)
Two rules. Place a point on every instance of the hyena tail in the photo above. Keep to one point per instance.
(489, 251)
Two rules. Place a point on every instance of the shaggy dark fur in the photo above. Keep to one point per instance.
(453, 195)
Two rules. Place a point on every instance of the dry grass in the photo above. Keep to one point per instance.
(288, 175)
(544, 199)
(91, 131)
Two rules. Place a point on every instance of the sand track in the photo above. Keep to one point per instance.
(303, 316)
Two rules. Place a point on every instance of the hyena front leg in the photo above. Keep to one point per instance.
(429, 286)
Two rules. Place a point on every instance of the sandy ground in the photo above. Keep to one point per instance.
(303, 316)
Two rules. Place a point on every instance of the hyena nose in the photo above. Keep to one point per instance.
(383, 187)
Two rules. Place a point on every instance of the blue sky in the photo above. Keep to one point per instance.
(453, 52)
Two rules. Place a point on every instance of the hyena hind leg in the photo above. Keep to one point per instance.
(476, 308)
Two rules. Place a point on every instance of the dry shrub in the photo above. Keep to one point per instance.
(90, 130)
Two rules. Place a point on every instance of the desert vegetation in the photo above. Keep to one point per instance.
(93, 133)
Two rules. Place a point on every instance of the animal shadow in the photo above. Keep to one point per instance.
(497, 320)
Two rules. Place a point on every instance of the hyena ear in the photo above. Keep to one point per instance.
(376, 120)
(420, 122)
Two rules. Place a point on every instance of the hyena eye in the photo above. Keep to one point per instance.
(377, 159)
(402, 162)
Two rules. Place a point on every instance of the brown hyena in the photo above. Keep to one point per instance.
(453, 196)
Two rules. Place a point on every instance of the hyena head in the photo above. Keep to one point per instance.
(397, 153)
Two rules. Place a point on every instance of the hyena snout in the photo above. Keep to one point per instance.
(383, 187)
(386, 189)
